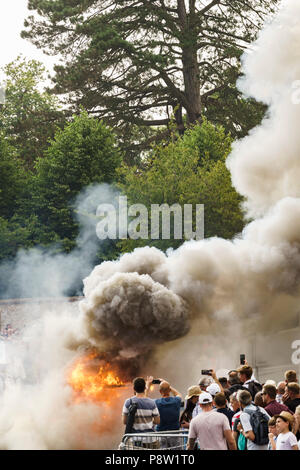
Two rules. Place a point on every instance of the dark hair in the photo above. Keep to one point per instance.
(187, 413)
(220, 399)
(139, 385)
(270, 390)
(233, 377)
(223, 381)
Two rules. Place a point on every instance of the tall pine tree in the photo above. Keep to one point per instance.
(142, 62)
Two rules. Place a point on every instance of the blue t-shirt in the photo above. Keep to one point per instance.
(169, 411)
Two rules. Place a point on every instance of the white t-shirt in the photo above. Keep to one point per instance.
(245, 422)
(286, 441)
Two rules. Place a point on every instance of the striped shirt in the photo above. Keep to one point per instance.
(146, 411)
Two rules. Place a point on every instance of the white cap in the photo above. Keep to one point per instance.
(205, 398)
(213, 389)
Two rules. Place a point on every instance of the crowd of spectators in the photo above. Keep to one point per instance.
(221, 413)
(7, 332)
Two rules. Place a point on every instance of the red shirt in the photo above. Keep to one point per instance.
(275, 408)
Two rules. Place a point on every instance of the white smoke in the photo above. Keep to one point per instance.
(265, 165)
(147, 298)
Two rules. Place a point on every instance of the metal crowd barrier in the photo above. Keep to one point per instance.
(163, 440)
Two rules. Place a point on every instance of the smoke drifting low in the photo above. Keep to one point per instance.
(47, 272)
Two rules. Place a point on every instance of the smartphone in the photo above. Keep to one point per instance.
(206, 371)
(156, 381)
(242, 359)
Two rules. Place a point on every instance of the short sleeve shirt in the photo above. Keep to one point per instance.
(146, 411)
(286, 441)
(208, 427)
(245, 422)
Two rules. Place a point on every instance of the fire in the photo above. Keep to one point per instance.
(91, 380)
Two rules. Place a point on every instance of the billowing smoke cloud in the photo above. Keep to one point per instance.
(265, 165)
(255, 277)
(140, 306)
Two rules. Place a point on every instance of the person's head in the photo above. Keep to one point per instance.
(233, 377)
(223, 381)
(244, 397)
(245, 373)
(220, 400)
(206, 401)
(268, 393)
(193, 394)
(281, 388)
(284, 422)
(293, 390)
(234, 402)
(258, 400)
(270, 382)
(213, 389)
(290, 376)
(164, 389)
(272, 425)
(139, 385)
(205, 382)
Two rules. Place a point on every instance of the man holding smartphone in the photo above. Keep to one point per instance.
(169, 411)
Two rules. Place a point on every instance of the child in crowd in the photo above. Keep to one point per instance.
(286, 440)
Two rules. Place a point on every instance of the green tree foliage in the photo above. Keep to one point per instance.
(83, 153)
(140, 61)
(29, 116)
(12, 179)
(189, 170)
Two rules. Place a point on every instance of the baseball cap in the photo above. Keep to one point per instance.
(193, 391)
(205, 398)
(213, 389)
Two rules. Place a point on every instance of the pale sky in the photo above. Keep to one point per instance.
(12, 15)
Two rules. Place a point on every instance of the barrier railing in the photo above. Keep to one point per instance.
(163, 440)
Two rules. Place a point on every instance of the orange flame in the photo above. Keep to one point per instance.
(91, 382)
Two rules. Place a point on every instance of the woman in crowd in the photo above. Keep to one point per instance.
(191, 401)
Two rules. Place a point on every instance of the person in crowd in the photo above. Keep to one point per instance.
(286, 439)
(272, 406)
(280, 391)
(235, 406)
(234, 382)
(169, 411)
(147, 414)
(220, 403)
(245, 427)
(248, 380)
(225, 385)
(272, 431)
(224, 382)
(168, 407)
(290, 376)
(258, 400)
(205, 382)
(292, 396)
(296, 429)
(270, 382)
(213, 388)
(192, 398)
(210, 428)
